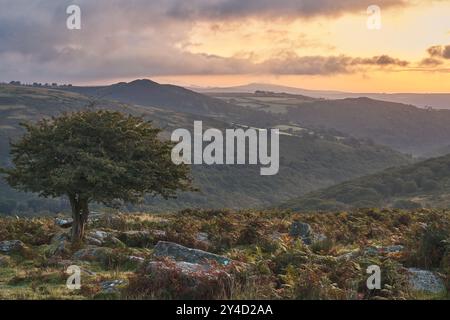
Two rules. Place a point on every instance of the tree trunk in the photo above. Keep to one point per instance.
(80, 214)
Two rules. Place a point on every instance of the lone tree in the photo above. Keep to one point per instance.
(94, 156)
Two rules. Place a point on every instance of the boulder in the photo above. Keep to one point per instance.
(181, 253)
(303, 231)
(11, 246)
(185, 280)
(137, 239)
(93, 254)
(112, 286)
(102, 238)
(64, 223)
(425, 281)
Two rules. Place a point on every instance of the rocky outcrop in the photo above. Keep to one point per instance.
(181, 253)
(425, 281)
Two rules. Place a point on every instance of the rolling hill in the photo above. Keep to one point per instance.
(406, 128)
(307, 162)
(424, 184)
(423, 100)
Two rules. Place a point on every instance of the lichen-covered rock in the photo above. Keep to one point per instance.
(425, 281)
(93, 254)
(12, 246)
(181, 253)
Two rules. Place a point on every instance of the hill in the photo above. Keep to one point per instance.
(174, 98)
(425, 184)
(307, 162)
(421, 132)
(423, 100)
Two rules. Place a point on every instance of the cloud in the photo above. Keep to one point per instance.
(140, 38)
(226, 9)
(439, 51)
(430, 62)
(326, 65)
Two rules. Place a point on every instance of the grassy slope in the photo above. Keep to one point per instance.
(424, 184)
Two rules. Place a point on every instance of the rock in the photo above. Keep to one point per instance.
(5, 261)
(102, 238)
(393, 249)
(93, 254)
(135, 259)
(373, 251)
(301, 230)
(185, 280)
(11, 246)
(64, 223)
(112, 286)
(179, 252)
(137, 239)
(425, 281)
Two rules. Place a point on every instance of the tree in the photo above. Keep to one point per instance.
(95, 156)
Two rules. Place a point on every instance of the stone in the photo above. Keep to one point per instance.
(137, 239)
(179, 252)
(112, 286)
(93, 254)
(301, 230)
(425, 281)
(64, 223)
(11, 246)
(196, 281)
(393, 249)
(102, 238)
(136, 259)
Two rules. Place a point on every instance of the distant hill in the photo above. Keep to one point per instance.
(174, 98)
(424, 184)
(422, 100)
(308, 162)
(402, 127)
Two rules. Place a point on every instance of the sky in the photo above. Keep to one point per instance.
(312, 44)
